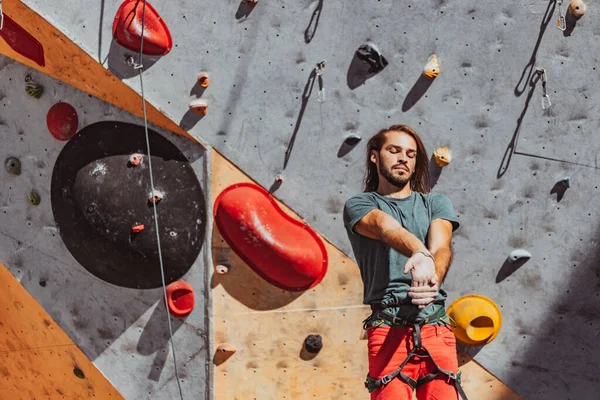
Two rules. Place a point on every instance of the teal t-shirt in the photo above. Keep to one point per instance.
(382, 267)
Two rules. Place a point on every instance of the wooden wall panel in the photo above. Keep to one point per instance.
(37, 359)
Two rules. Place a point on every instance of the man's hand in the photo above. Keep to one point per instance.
(423, 270)
(423, 295)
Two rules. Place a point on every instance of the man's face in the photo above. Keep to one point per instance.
(397, 158)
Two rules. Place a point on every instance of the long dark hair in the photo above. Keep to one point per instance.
(419, 182)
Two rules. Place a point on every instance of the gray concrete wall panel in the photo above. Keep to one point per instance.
(123, 331)
(485, 105)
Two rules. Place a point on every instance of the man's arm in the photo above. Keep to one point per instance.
(379, 225)
(440, 245)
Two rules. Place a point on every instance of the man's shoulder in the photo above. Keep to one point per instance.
(433, 197)
(369, 196)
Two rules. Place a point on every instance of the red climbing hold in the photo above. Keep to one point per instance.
(127, 29)
(62, 121)
(180, 299)
(285, 252)
(21, 41)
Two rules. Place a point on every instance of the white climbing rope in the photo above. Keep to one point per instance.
(139, 67)
(1, 16)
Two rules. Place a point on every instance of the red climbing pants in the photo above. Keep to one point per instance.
(389, 347)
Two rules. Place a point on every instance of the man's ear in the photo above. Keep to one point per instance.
(374, 157)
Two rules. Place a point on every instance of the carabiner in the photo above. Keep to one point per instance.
(546, 103)
(561, 18)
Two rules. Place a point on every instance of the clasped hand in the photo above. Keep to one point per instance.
(424, 288)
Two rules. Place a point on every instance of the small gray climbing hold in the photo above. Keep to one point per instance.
(13, 166)
(519, 254)
(565, 182)
(352, 140)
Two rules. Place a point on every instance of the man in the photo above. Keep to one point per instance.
(401, 236)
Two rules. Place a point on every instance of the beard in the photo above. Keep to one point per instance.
(395, 180)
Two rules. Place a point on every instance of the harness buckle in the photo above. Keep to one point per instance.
(386, 379)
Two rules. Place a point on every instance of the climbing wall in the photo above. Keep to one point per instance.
(66, 233)
(521, 176)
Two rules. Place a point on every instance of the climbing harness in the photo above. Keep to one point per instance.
(380, 316)
(561, 17)
(139, 67)
(545, 98)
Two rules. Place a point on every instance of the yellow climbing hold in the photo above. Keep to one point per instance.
(432, 68)
(477, 318)
(442, 156)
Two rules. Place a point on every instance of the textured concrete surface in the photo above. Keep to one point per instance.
(485, 105)
(123, 331)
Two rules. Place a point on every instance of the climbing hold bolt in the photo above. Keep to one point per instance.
(155, 196)
(135, 159)
(137, 228)
(577, 8)
(221, 269)
(199, 106)
(13, 166)
(34, 198)
(313, 343)
(519, 254)
(33, 89)
(204, 80)
(432, 68)
(226, 348)
(442, 156)
(279, 179)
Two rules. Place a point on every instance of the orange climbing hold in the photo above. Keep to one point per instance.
(577, 8)
(180, 299)
(199, 106)
(204, 80)
(432, 68)
(442, 156)
(127, 29)
(137, 228)
(283, 251)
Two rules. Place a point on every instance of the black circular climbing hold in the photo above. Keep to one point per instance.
(313, 343)
(78, 373)
(96, 199)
